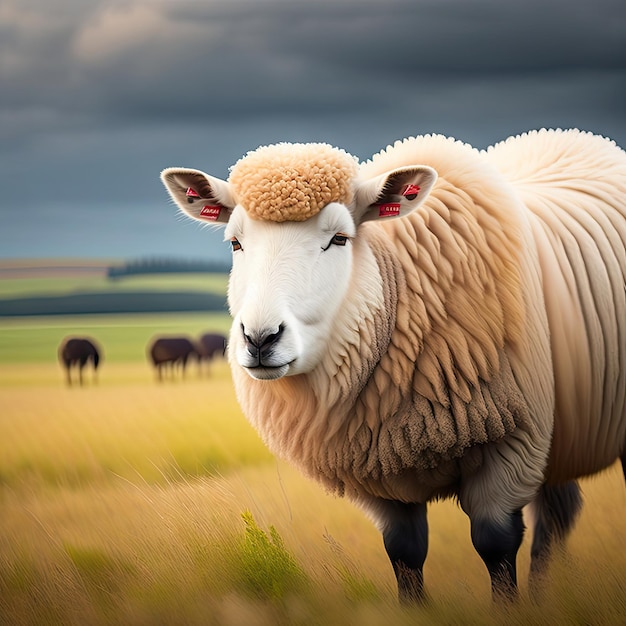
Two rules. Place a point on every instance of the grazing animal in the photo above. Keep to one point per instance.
(171, 351)
(78, 351)
(211, 345)
(434, 322)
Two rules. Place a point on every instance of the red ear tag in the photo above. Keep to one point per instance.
(191, 194)
(410, 192)
(389, 210)
(210, 212)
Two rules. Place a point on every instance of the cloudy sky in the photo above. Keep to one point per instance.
(97, 97)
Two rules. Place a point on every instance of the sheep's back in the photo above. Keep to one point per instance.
(574, 185)
(469, 356)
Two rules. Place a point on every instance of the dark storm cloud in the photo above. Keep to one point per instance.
(96, 97)
(162, 59)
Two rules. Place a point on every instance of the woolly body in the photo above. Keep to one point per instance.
(478, 347)
(574, 186)
(419, 369)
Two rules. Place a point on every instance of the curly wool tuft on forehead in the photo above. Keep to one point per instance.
(293, 181)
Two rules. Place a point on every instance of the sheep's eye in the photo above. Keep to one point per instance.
(234, 242)
(338, 239)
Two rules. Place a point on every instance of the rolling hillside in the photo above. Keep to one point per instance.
(83, 287)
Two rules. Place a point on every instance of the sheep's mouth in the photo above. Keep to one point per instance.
(268, 372)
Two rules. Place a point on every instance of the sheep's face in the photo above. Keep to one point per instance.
(287, 282)
(290, 277)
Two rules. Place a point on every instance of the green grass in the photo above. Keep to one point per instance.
(122, 337)
(56, 286)
(266, 570)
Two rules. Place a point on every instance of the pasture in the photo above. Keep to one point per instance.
(79, 289)
(134, 502)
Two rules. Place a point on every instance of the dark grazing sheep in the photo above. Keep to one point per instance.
(210, 346)
(171, 351)
(435, 322)
(79, 351)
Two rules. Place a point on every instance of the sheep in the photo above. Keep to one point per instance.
(79, 351)
(164, 351)
(437, 321)
(211, 345)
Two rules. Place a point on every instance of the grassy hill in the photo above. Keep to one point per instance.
(43, 302)
(76, 289)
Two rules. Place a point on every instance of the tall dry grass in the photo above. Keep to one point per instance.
(131, 502)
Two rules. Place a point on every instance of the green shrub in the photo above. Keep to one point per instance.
(265, 568)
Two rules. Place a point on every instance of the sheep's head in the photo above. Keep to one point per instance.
(292, 213)
(293, 182)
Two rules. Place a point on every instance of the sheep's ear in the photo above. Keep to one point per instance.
(393, 194)
(199, 195)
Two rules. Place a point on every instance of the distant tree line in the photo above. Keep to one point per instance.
(122, 302)
(167, 266)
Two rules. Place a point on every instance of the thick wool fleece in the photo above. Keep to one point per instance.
(454, 318)
(435, 297)
(574, 184)
(293, 182)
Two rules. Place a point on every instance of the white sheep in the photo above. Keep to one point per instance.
(475, 347)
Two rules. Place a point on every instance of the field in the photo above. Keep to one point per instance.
(129, 501)
(27, 289)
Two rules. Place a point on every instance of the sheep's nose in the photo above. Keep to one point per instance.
(259, 344)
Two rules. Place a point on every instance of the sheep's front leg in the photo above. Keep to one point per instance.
(511, 472)
(405, 534)
(497, 543)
